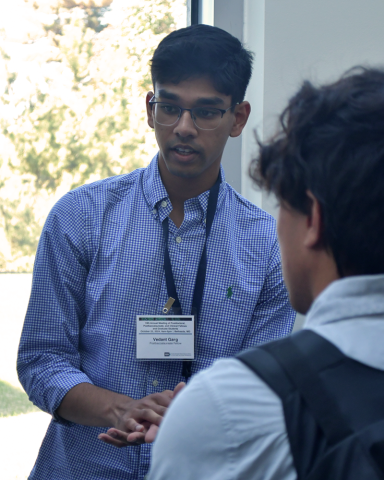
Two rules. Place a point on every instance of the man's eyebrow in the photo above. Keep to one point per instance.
(165, 94)
(210, 101)
(162, 93)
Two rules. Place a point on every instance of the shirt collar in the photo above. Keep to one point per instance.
(204, 197)
(155, 192)
(348, 298)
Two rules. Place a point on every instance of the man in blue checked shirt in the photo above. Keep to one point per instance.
(124, 246)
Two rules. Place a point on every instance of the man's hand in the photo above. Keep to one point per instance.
(141, 421)
(119, 439)
(89, 405)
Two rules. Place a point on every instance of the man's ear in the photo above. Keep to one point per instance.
(242, 112)
(149, 109)
(314, 233)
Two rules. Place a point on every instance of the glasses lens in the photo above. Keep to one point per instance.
(206, 118)
(166, 114)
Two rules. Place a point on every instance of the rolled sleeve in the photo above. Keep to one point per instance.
(49, 363)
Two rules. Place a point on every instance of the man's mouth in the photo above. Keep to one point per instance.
(184, 150)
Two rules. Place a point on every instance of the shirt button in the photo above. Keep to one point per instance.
(205, 220)
(155, 383)
(154, 211)
(178, 239)
(164, 203)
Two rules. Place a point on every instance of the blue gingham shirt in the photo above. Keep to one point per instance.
(99, 264)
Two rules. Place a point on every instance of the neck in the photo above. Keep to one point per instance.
(325, 272)
(184, 189)
(180, 189)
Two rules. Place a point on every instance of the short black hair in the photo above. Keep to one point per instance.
(203, 50)
(331, 142)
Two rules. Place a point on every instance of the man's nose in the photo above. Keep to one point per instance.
(185, 125)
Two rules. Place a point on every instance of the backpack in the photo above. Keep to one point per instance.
(333, 406)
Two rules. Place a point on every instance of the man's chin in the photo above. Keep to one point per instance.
(183, 170)
(183, 173)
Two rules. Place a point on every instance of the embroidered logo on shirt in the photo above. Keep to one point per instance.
(229, 292)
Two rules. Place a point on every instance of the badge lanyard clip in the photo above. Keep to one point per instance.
(168, 305)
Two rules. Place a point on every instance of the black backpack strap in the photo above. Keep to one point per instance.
(302, 356)
(294, 363)
(265, 365)
(376, 445)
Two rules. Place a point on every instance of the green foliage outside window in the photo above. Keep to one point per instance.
(81, 116)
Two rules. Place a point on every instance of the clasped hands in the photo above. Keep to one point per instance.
(138, 421)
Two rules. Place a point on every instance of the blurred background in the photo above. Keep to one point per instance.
(73, 78)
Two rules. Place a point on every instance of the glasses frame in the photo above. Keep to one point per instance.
(223, 112)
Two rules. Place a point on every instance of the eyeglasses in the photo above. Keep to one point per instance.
(204, 118)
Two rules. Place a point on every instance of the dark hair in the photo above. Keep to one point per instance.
(203, 50)
(332, 143)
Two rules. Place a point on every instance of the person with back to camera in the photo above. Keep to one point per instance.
(309, 406)
(172, 238)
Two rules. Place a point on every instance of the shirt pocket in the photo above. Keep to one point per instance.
(226, 315)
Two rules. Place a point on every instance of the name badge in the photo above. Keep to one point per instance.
(165, 337)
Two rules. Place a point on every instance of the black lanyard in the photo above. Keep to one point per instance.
(202, 269)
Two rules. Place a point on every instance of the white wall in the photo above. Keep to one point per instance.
(254, 39)
(229, 15)
(303, 39)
